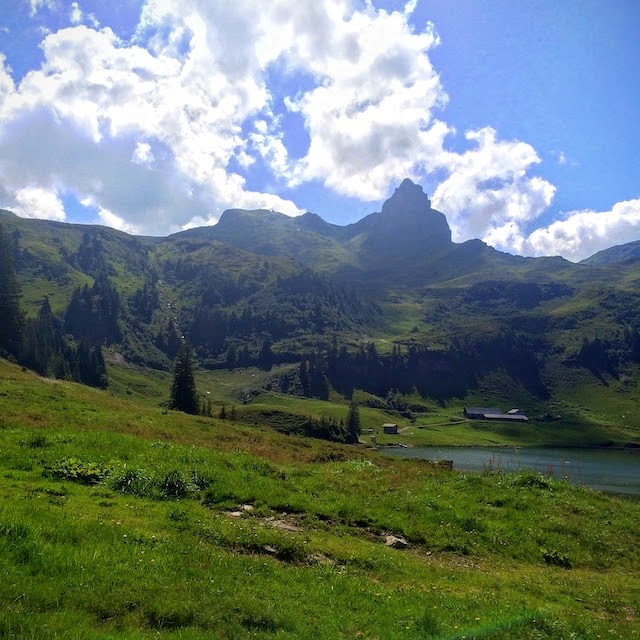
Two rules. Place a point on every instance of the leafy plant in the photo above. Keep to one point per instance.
(78, 471)
(556, 558)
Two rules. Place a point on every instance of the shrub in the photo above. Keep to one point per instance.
(77, 471)
(532, 479)
(134, 482)
(556, 558)
(174, 486)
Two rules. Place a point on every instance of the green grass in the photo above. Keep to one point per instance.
(152, 549)
(591, 414)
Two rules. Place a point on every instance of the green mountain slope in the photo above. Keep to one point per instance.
(621, 253)
(260, 288)
(120, 521)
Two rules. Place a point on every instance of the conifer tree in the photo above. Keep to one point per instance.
(304, 376)
(353, 423)
(266, 355)
(11, 320)
(184, 396)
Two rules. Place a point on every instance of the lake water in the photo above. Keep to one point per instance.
(603, 470)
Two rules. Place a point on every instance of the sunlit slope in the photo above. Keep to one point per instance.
(120, 521)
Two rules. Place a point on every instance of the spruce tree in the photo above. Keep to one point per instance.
(353, 423)
(266, 355)
(11, 320)
(184, 396)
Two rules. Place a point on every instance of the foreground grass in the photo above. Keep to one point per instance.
(197, 528)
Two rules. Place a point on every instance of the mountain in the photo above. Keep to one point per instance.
(260, 287)
(621, 253)
(407, 242)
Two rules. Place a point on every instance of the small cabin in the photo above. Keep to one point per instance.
(390, 428)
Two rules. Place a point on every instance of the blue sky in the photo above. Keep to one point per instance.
(520, 119)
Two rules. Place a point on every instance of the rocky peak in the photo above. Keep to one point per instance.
(408, 196)
(408, 220)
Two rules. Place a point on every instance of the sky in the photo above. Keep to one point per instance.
(520, 119)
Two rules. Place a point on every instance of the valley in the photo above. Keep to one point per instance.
(123, 518)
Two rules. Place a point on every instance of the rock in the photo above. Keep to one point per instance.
(395, 542)
(284, 526)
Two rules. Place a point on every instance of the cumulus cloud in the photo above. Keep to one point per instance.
(142, 154)
(38, 202)
(370, 116)
(7, 86)
(582, 233)
(75, 15)
(488, 192)
(78, 120)
(157, 132)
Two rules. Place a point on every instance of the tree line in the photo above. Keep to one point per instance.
(69, 348)
(438, 374)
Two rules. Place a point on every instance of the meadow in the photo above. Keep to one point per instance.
(119, 520)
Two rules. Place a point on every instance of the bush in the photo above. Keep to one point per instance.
(553, 557)
(77, 471)
(174, 486)
(532, 479)
(134, 482)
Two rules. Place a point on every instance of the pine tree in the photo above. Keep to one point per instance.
(42, 341)
(99, 376)
(183, 389)
(353, 423)
(11, 320)
(266, 355)
(304, 377)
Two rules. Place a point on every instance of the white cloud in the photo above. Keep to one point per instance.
(110, 219)
(410, 7)
(36, 5)
(370, 116)
(582, 233)
(488, 193)
(75, 14)
(142, 154)
(150, 130)
(38, 202)
(92, 101)
(7, 86)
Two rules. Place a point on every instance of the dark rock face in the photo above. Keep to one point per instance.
(407, 225)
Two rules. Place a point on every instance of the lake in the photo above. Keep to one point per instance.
(613, 471)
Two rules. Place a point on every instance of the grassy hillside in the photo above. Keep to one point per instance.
(451, 299)
(591, 414)
(120, 521)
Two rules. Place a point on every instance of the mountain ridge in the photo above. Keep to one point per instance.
(261, 280)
